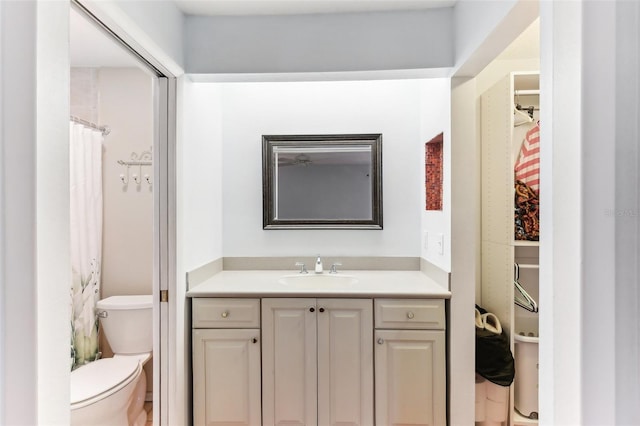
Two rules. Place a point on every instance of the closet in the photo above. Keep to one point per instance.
(509, 280)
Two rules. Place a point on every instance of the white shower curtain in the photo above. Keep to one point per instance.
(85, 157)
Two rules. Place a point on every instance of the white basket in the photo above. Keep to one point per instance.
(526, 379)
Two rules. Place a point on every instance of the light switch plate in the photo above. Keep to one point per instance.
(440, 243)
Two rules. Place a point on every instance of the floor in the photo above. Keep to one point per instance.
(148, 407)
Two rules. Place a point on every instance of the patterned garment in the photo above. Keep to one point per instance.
(527, 167)
(526, 213)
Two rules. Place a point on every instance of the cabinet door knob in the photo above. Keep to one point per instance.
(254, 340)
(321, 309)
(380, 341)
(312, 309)
(224, 314)
(410, 315)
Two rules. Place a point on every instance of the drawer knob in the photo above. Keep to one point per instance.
(254, 340)
(225, 314)
(380, 341)
(312, 309)
(321, 309)
(410, 315)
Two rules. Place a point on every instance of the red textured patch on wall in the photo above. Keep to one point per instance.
(433, 172)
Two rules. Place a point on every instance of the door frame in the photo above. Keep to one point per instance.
(164, 206)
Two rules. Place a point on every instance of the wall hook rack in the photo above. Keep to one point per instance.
(143, 159)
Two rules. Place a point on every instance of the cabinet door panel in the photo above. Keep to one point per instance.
(226, 378)
(410, 377)
(289, 362)
(345, 362)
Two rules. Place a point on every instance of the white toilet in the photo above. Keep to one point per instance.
(111, 391)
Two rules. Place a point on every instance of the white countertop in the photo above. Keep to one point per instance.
(263, 283)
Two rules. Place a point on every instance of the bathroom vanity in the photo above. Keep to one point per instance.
(363, 348)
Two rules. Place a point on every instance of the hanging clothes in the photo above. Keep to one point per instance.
(527, 186)
(527, 168)
(526, 213)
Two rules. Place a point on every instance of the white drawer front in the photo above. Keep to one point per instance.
(425, 314)
(226, 313)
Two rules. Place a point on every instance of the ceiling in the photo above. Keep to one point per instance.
(291, 7)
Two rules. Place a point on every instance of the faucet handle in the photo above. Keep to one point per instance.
(303, 268)
(334, 266)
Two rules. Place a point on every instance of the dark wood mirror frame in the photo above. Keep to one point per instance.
(371, 144)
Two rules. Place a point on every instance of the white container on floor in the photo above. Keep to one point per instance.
(526, 379)
(492, 403)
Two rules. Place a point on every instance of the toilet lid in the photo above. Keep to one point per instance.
(101, 376)
(144, 301)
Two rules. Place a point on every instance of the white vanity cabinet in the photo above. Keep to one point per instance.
(410, 366)
(226, 361)
(317, 361)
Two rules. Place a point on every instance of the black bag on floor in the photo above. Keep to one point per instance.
(494, 360)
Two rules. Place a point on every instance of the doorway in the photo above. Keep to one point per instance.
(117, 90)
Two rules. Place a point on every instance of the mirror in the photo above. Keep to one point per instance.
(322, 181)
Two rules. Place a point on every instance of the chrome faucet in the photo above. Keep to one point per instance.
(334, 269)
(303, 268)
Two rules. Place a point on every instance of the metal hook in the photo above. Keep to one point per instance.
(125, 179)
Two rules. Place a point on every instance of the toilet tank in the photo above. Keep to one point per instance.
(127, 323)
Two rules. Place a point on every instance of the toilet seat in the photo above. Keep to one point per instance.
(96, 380)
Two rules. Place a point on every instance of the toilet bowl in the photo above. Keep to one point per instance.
(111, 391)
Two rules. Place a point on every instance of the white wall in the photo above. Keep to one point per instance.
(126, 106)
(34, 382)
(392, 108)
(320, 43)
(589, 255)
(198, 218)
(200, 175)
(465, 248)
(627, 214)
(435, 113)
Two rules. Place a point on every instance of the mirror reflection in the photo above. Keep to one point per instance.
(322, 181)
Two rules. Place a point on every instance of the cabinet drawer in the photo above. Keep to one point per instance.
(425, 314)
(226, 313)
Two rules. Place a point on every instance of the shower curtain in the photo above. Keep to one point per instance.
(85, 158)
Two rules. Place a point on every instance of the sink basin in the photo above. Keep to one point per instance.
(312, 280)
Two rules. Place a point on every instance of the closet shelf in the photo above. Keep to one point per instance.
(524, 243)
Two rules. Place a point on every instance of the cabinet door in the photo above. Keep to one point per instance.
(410, 377)
(289, 363)
(226, 377)
(345, 362)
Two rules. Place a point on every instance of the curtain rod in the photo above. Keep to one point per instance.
(104, 129)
